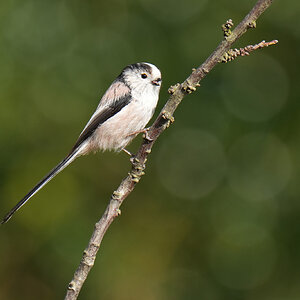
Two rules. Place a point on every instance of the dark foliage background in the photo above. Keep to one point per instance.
(217, 214)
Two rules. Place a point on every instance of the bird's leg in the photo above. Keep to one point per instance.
(128, 152)
(145, 131)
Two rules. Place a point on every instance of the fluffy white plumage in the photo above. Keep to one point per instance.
(125, 109)
(118, 130)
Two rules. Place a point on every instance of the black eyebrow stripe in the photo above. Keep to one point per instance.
(138, 67)
(105, 114)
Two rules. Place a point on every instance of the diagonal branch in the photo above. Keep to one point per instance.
(165, 118)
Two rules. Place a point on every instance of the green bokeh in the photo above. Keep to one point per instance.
(217, 215)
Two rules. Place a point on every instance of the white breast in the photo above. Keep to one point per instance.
(118, 131)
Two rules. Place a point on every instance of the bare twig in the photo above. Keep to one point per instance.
(232, 54)
(165, 118)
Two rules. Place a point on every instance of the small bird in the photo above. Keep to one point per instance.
(123, 112)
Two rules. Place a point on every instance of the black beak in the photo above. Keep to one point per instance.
(156, 81)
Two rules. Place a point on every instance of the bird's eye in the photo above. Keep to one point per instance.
(144, 75)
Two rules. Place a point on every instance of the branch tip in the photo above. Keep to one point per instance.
(232, 54)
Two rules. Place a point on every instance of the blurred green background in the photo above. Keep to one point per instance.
(217, 215)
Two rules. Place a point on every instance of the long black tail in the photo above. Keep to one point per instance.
(64, 163)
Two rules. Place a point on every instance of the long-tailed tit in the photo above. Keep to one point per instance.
(123, 112)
